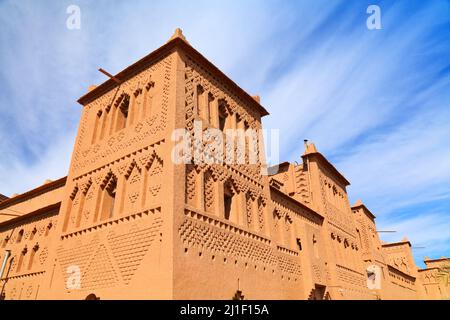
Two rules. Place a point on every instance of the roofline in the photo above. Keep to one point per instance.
(281, 193)
(329, 166)
(427, 269)
(436, 260)
(156, 55)
(32, 214)
(365, 208)
(391, 244)
(39, 190)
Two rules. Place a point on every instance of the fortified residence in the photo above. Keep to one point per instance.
(129, 223)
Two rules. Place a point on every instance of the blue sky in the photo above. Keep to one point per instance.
(375, 102)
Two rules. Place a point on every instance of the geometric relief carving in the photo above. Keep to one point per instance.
(29, 291)
(132, 197)
(249, 209)
(138, 127)
(260, 214)
(143, 131)
(209, 192)
(88, 195)
(191, 177)
(154, 177)
(156, 167)
(89, 203)
(86, 215)
(106, 259)
(135, 177)
(196, 77)
(130, 248)
(13, 262)
(76, 202)
(289, 265)
(77, 255)
(132, 188)
(351, 277)
(13, 293)
(317, 273)
(339, 217)
(211, 238)
(41, 230)
(399, 260)
(154, 190)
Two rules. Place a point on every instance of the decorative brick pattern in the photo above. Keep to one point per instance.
(130, 248)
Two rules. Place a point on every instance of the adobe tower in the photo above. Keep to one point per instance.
(132, 220)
